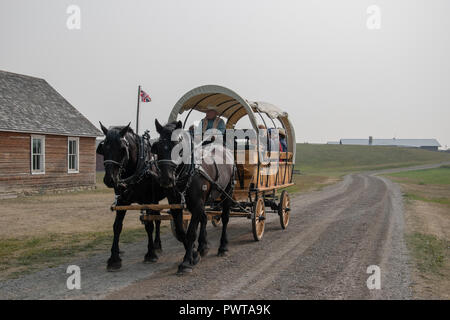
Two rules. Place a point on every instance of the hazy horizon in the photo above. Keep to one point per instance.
(315, 59)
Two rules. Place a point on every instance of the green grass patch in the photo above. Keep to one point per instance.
(428, 251)
(440, 200)
(440, 176)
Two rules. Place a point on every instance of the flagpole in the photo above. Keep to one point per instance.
(137, 111)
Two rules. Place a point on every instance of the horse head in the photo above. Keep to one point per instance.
(118, 150)
(163, 148)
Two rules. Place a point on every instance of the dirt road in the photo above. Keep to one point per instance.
(333, 236)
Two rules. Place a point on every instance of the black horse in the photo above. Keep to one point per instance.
(128, 169)
(197, 185)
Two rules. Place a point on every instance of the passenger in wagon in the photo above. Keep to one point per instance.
(283, 143)
(212, 121)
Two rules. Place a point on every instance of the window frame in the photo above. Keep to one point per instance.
(77, 140)
(42, 138)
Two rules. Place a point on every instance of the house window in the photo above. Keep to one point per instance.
(37, 154)
(73, 154)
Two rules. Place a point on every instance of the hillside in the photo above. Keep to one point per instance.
(324, 164)
(340, 158)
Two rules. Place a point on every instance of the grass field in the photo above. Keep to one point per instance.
(427, 215)
(323, 164)
(440, 176)
(313, 158)
(431, 185)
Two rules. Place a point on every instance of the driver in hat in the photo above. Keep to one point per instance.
(212, 121)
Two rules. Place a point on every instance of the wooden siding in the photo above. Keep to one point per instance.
(15, 164)
(99, 166)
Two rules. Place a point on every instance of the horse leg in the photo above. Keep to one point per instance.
(202, 241)
(225, 218)
(114, 262)
(157, 243)
(177, 216)
(191, 257)
(150, 255)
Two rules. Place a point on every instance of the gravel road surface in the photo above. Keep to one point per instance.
(332, 237)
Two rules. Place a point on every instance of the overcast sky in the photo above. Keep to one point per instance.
(317, 60)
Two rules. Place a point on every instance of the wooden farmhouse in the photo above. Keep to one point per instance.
(45, 143)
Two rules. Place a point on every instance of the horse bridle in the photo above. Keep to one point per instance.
(124, 161)
(168, 162)
(184, 175)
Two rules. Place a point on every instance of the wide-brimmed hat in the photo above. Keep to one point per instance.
(282, 132)
(211, 107)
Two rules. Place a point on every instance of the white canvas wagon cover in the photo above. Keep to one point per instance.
(232, 107)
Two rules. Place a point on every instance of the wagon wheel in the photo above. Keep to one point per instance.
(185, 226)
(284, 209)
(259, 218)
(216, 221)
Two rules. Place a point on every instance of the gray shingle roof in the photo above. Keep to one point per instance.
(417, 143)
(29, 104)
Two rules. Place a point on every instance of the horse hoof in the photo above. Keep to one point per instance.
(150, 259)
(222, 253)
(114, 266)
(203, 252)
(183, 269)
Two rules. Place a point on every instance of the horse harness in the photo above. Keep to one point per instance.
(145, 163)
(184, 177)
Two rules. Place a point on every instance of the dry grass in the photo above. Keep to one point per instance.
(44, 230)
(428, 239)
(304, 183)
(30, 253)
(427, 218)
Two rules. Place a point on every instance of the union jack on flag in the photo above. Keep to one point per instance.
(145, 97)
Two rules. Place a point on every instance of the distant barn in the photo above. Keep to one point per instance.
(45, 143)
(428, 144)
